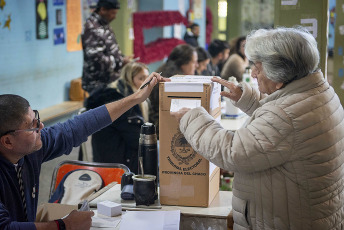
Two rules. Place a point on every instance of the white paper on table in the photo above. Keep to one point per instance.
(151, 220)
(101, 221)
(177, 104)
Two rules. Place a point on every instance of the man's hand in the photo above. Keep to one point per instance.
(234, 93)
(179, 114)
(146, 88)
(117, 108)
(79, 220)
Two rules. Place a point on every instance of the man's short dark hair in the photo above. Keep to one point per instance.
(108, 4)
(193, 25)
(217, 46)
(13, 108)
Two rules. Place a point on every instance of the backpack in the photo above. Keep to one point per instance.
(76, 186)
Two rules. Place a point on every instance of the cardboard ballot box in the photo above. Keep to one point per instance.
(186, 178)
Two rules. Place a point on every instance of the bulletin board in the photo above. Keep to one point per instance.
(74, 25)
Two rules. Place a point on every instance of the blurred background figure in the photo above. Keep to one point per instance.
(182, 60)
(237, 62)
(192, 34)
(103, 58)
(219, 52)
(203, 60)
(118, 142)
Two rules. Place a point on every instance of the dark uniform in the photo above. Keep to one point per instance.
(102, 56)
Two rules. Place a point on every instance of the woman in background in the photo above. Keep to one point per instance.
(203, 60)
(182, 61)
(237, 62)
(118, 143)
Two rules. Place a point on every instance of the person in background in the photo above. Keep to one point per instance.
(118, 142)
(183, 61)
(203, 60)
(288, 159)
(237, 62)
(192, 34)
(25, 144)
(219, 52)
(103, 58)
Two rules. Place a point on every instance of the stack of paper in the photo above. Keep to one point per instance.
(151, 220)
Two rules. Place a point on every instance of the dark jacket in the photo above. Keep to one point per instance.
(191, 39)
(102, 57)
(118, 142)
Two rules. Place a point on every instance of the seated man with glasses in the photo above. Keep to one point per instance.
(25, 144)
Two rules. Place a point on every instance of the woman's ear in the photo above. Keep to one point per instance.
(279, 85)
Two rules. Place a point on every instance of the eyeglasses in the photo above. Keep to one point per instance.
(27, 130)
(251, 63)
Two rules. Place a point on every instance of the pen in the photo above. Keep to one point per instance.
(147, 83)
(136, 59)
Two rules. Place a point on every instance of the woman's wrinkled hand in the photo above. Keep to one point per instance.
(179, 114)
(235, 92)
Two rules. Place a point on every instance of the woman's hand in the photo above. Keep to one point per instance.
(179, 114)
(234, 93)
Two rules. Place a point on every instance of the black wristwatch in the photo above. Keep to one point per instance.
(61, 224)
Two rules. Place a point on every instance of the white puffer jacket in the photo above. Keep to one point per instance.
(288, 159)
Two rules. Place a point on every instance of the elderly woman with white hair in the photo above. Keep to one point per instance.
(288, 158)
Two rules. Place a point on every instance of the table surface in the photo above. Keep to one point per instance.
(220, 207)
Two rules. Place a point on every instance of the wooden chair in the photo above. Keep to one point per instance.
(109, 172)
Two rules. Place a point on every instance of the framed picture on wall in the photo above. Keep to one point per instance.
(58, 17)
(41, 19)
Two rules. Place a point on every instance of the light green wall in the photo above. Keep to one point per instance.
(213, 6)
(122, 26)
(315, 12)
(338, 53)
(233, 19)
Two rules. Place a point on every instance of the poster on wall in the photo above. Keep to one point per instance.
(58, 2)
(59, 36)
(58, 17)
(41, 19)
(74, 25)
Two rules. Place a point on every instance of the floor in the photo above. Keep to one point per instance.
(48, 168)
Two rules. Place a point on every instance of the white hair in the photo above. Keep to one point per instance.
(286, 54)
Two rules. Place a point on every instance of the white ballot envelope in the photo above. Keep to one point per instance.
(177, 104)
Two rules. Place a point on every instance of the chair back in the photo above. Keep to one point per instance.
(109, 172)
